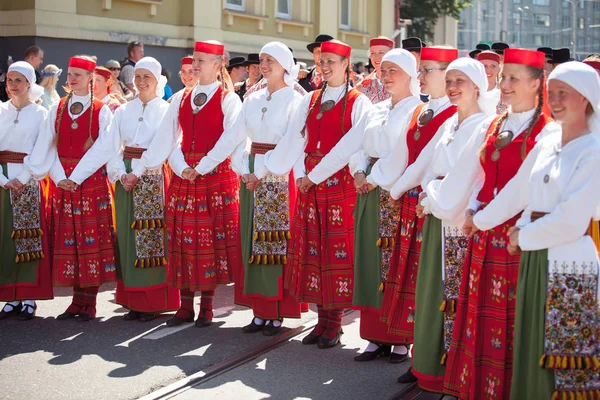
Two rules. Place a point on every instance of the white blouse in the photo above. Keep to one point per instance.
(448, 145)
(20, 137)
(167, 141)
(381, 131)
(268, 127)
(560, 180)
(133, 126)
(45, 161)
(290, 150)
(461, 186)
(388, 170)
(490, 102)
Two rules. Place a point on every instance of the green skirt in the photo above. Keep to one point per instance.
(10, 272)
(132, 277)
(367, 256)
(429, 320)
(529, 380)
(264, 280)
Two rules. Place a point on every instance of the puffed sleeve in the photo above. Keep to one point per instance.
(45, 144)
(115, 167)
(101, 151)
(233, 135)
(359, 161)
(240, 163)
(43, 157)
(349, 144)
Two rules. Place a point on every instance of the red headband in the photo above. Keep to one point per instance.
(77, 62)
(339, 48)
(105, 73)
(531, 58)
(593, 64)
(381, 41)
(437, 54)
(209, 48)
(187, 60)
(488, 55)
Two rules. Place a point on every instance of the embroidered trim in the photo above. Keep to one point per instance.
(27, 232)
(130, 153)
(261, 148)
(11, 157)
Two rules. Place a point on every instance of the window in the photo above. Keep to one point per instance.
(581, 4)
(517, 18)
(542, 20)
(581, 23)
(580, 43)
(345, 14)
(284, 9)
(596, 5)
(565, 4)
(541, 2)
(565, 21)
(236, 5)
(540, 40)
(483, 15)
(517, 1)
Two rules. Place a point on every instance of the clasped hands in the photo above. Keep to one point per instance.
(16, 186)
(304, 184)
(470, 229)
(361, 184)
(128, 181)
(68, 185)
(251, 181)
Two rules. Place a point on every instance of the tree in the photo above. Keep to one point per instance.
(425, 13)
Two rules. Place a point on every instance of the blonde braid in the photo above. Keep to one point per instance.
(496, 130)
(222, 83)
(348, 71)
(60, 116)
(537, 74)
(90, 141)
(310, 110)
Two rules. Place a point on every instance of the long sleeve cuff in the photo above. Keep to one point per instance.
(24, 176)
(3, 180)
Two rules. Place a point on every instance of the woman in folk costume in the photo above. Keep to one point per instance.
(491, 62)
(102, 84)
(139, 202)
(81, 219)
(557, 188)
(186, 74)
(376, 218)
(326, 130)
(25, 270)
(479, 362)
(372, 86)
(266, 199)
(197, 135)
(415, 133)
(443, 245)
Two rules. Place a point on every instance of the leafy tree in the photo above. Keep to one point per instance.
(424, 14)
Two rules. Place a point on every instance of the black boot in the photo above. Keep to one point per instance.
(382, 350)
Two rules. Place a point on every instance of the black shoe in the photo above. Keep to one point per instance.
(398, 358)
(131, 316)
(326, 343)
(69, 314)
(205, 318)
(407, 377)
(86, 315)
(177, 320)
(16, 310)
(253, 327)
(272, 330)
(146, 317)
(382, 350)
(312, 337)
(27, 312)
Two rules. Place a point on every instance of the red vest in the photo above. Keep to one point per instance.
(330, 123)
(498, 173)
(201, 131)
(427, 132)
(71, 142)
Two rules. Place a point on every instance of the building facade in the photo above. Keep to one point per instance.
(168, 28)
(574, 24)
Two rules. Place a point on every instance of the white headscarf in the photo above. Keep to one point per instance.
(25, 69)
(284, 56)
(408, 63)
(476, 72)
(152, 65)
(586, 81)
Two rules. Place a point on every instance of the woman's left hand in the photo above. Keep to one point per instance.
(306, 184)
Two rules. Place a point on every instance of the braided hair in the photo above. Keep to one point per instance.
(222, 74)
(90, 141)
(312, 107)
(348, 73)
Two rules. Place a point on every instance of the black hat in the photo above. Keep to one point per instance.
(547, 51)
(253, 58)
(473, 53)
(413, 44)
(478, 49)
(560, 56)
(499, 47)
(236, 62)
(318, 41)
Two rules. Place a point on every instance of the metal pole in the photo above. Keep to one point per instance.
(573, 24)
(497, 21)
(504, 32)
(478, 21)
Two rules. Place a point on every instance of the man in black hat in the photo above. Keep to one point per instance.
(237, 69)
(414, 46)
(499, 48)
(314, 79)
(548, 52)
(560, 56)
(478, 49)
(252, 66)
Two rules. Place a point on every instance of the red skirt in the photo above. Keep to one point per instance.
(398, 308)
(480, 359)
(321, 251)
(203, 224)
(82, 235)
(149, 300)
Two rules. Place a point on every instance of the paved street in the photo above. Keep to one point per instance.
(112, 359)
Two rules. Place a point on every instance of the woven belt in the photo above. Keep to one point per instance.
(11, 157)
(130, 153)
(316, 154)
(373, 160)
(261, 148)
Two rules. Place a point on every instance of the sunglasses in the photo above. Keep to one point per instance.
(114, 69)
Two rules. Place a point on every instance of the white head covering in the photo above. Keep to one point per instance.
(476, 72)
(284, 56)
(25, 69)
(152, 65)
(586, 81)
(408, 63)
